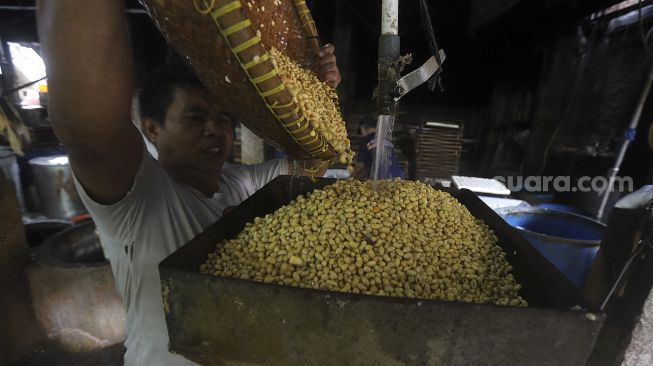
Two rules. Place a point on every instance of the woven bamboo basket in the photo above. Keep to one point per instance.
(220, 41)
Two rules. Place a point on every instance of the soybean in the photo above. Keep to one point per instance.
(318, 102)
(453, 257)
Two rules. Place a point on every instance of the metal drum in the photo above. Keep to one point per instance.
(567, 240)
(74, 292)
(39, 230)
(9, 167)
(55, 189)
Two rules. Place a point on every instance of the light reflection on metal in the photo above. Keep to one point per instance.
(390, 17)
(419, 76)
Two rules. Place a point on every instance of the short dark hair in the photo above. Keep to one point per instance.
(367, 122)
(158, 89)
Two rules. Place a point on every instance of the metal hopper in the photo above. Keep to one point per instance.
(225, 321)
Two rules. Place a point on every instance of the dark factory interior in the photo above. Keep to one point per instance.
(529, 122)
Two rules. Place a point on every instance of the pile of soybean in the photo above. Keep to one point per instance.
(388, 238)
(317, 100)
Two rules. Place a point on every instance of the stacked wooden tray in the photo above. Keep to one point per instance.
(438, 148)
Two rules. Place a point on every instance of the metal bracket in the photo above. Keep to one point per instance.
(418, 77)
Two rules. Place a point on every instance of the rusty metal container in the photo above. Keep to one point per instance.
(225, 321)
(74, 292)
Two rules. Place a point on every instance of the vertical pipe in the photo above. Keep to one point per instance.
(390, 17)
(388, 76)
(624, 146)
(388, 56)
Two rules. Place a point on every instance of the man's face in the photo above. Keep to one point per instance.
(195, 138)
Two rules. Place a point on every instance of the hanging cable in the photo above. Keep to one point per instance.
(574, 94)
(435, 80)
(645, 36)
(16, 21)
(21, 87)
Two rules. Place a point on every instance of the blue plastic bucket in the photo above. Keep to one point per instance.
(563, 208)
(567, 240)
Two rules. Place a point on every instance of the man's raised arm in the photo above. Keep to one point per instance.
(90, 82)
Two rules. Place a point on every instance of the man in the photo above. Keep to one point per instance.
(367, 151)
(144, 209)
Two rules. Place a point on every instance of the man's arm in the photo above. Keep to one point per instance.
(89, 68)
(307, 168)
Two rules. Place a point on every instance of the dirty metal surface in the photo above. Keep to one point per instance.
(78, 246)
(245, 323)
(74, 292)
(225, 321)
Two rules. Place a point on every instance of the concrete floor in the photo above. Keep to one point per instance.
(640, 350)
(50, 354)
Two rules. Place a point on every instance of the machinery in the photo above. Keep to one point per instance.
(391, 85)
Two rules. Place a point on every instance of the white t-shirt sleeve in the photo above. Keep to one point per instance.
(242, 181)
(262, 174)
(118, 220)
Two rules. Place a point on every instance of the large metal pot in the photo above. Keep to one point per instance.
(74, 292)
(55, 188)
(38, 230)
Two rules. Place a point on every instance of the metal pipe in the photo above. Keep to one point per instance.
(389, 40)
(390, 17)
(388, 57)
(389, 73)
(612, 174)
(17, 7)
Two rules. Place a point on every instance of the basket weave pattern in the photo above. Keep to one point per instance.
(225, 42)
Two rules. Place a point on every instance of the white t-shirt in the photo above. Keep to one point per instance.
(156, 217)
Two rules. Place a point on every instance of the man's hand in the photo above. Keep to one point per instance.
(327, 69)
(307, 168)
(372, 144)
